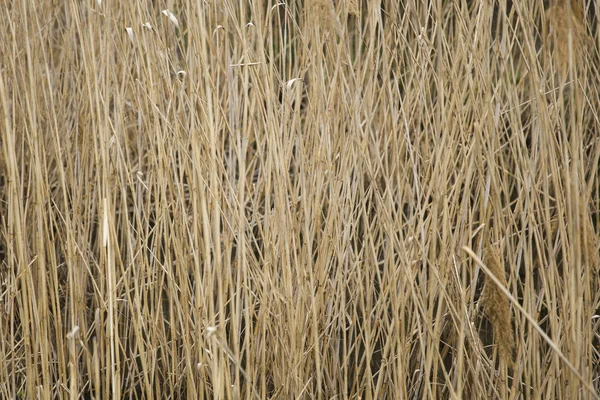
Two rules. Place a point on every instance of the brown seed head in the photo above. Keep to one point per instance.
(497, 307)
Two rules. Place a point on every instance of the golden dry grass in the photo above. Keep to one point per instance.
(293, 200)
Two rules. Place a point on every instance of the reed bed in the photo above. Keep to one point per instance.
(299, 199)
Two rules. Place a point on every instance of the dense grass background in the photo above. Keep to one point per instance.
(299, 199)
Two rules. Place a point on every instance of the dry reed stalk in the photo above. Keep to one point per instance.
(588, 238)
(497, 306)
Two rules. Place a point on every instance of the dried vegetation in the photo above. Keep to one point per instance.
(299, 199)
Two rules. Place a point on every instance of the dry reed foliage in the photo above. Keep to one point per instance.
(353, 7)
(324, 12)
(497, 307)
(567, 33)
(256, 199)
